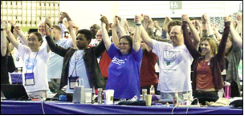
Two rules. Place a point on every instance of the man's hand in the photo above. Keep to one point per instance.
(105, 22)
(17, 30)
(205, 18)
(185, 18)
(156, 23)
(103, 19)
(3, 24)
(227, 19)
(138, 19)
(115, 23)
(168, 19)
(48, 26)
(65, 15)
(126, 24)
(147, 18)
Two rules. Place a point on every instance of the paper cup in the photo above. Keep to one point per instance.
(88, 95)
(108, 96)
(148, 100)
(144, 93)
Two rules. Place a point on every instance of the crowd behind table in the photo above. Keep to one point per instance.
(194, 58)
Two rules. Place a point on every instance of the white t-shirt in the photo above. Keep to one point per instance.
(39, 63)
(55, 62)
(17, 59)
(44, 44)
(80, 70)
(175, 67)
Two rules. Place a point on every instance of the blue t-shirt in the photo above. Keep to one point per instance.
(124, 73)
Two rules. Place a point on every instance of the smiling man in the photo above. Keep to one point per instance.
(175, 64)
(80, 63)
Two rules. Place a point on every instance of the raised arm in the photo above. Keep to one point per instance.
(136, 38)
(236, 38)
(49, 30)
(206, 25)
(11, 36)
(105, 35)
(165, 28)
(126, 27)
(196, 37)
(221, 48)
(216, 33)
(21, 35)
(3, 38)
(65, 14)
(115, 38)
(72, 27)
(122, 32)
(239, 23)
(144, 34)
(61, 25)
(187, 39)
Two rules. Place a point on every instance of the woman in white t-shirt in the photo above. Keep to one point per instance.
(34, 75)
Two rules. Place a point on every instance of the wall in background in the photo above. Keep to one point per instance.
(161, 9)
(86, 13)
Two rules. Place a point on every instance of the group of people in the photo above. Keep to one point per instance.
(194, 58)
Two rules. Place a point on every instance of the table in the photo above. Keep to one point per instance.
(52, 107)
(16, 78)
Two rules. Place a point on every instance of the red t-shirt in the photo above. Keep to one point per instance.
(105, 61)
(147, 71)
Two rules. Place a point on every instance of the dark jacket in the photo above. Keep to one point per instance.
(90, 59)
(216, 63)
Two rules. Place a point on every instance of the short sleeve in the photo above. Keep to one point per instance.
(113, 50)
(137, 55)
(22, 49)
(158, 47)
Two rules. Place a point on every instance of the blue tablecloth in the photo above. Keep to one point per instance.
(16, 78)
(35, 107)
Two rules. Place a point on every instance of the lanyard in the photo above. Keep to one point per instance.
(76, 61)
(33, 64)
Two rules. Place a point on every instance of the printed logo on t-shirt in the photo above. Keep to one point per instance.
(172, 57)
(30, 63)
(117, 61)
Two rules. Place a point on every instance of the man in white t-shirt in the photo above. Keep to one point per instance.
(55, 61)
(175, 64)
(34, 75)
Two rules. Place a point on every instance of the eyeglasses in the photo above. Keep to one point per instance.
(123, 44)
(98, 36)
(31, 39)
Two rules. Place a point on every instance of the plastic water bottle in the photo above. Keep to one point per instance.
(175, 99)
(152, 90)
(99, 95)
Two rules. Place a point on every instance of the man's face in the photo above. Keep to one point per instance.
(176, 36)
(56, 34)
(42, 29)
(81, 41)
(99, 36)
(239, 16)
(94, 29)
(33, 42)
